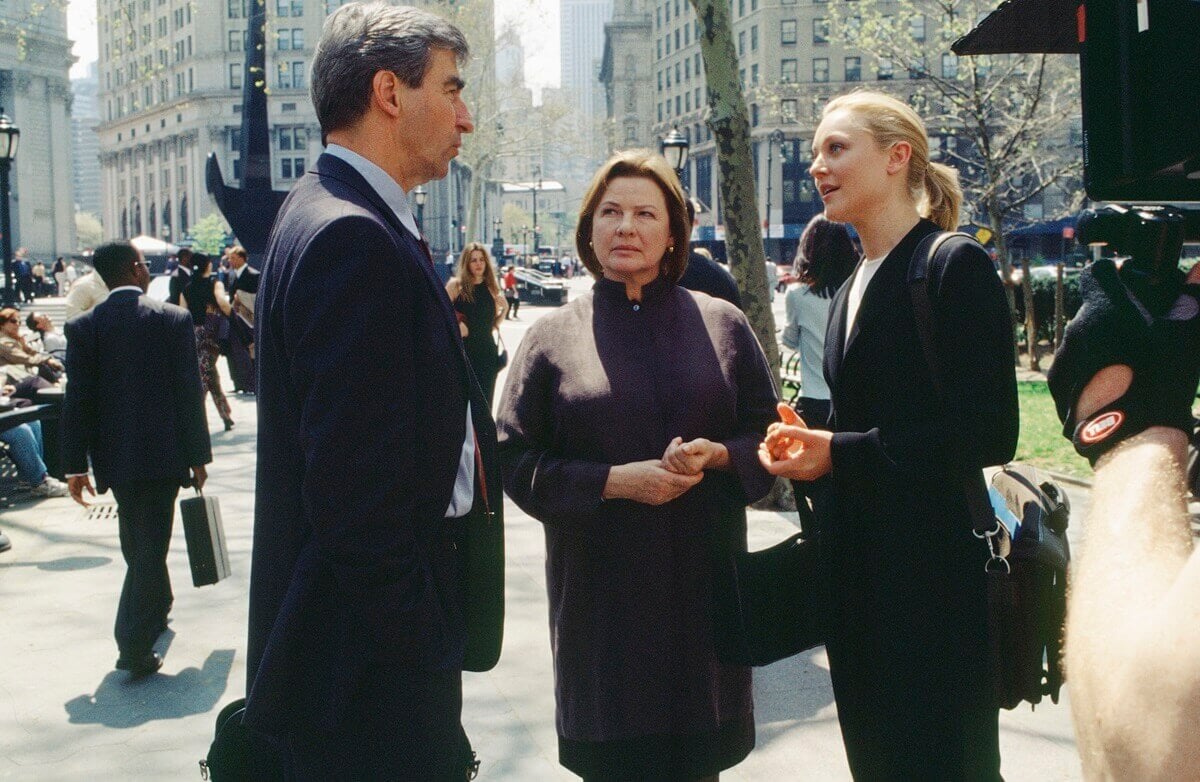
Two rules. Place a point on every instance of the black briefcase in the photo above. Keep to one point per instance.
(205, 537)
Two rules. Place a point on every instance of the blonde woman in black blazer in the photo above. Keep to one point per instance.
(907, 635)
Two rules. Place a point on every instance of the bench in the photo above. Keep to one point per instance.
(789, 373)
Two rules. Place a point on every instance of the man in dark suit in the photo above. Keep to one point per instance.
(374, 440)
(180, 277)
(135, 406)
(243, 285)
(706, 275)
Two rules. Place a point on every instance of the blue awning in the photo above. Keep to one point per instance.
(1047, 228)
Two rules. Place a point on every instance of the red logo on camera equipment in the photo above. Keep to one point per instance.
(1099, 428)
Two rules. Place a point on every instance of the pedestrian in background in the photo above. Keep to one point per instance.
(706, 275)
(85, 292)
(476, 296)
(134, 409)
(60, 276)
(628, 427)
(23, 273)
(907, 630)
(243, 287)
(825, 259)
(204, 297)
(180, 277)
(511, 293)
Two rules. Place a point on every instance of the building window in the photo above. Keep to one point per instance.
(820, 27)
(754, 74)
(787, 31)
(916, 27)
(235, 139)
(754, 38)
(290, 8)
(237, 9)
(754, 115)
(290, 39)
(853, 69)
(742, 43)
(820, 69)
(949, 66)
(237, 40)
(235, 76)
(787, 70)
(293, 138)
(787, 109)
(885, 71)
(917, 69)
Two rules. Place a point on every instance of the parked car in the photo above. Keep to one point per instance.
(539, 288)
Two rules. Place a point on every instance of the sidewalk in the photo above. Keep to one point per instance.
(65, 714)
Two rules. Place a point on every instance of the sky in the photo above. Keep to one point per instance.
(537, 21)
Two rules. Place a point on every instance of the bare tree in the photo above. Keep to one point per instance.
(1002, 120)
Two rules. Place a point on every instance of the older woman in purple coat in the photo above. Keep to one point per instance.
(629, 427)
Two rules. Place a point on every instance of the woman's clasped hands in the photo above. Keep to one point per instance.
(792, 450)
(658, 481)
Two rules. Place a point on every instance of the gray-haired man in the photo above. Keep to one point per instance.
(374, 437)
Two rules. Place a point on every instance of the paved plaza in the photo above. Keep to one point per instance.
(65, 714)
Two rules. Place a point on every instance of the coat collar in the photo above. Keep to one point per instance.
(889, 282)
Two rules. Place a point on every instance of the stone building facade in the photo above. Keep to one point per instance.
(171, 76)
(35, 92)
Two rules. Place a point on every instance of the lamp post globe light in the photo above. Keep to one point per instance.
(674, 148)
(419, 196)
(10, 134)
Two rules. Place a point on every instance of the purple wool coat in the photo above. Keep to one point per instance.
(605, 381)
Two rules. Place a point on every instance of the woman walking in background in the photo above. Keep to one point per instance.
(480, 307)
(205, 298)
(825, 259)
(907, 630)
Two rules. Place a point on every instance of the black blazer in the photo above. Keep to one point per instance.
(179, 280)
(247, 281)
(134, 401)
(905, 572)
(362, 400)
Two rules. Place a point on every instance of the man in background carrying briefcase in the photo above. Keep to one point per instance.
(135, 407)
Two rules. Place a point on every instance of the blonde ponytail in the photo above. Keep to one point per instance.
(943, 196)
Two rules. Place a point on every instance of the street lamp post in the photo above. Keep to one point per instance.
(497, 241)
(536, 188)
(419, 196)
(776, 137)
(10, 134)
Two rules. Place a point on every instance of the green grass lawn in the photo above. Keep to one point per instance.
(1041, 443)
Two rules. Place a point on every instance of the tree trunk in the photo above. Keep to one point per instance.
(731, 132)
(1030, 318)
(1059, 308)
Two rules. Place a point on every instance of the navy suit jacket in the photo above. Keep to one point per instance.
(134, 401)
(362, 404)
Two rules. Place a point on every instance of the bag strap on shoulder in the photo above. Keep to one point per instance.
(920, 277)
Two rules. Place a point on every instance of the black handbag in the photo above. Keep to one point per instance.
(769, 604)
(502, 356)
(1025, 531)
(238, 754)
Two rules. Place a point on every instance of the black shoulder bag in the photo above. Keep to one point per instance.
(1027, 552)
